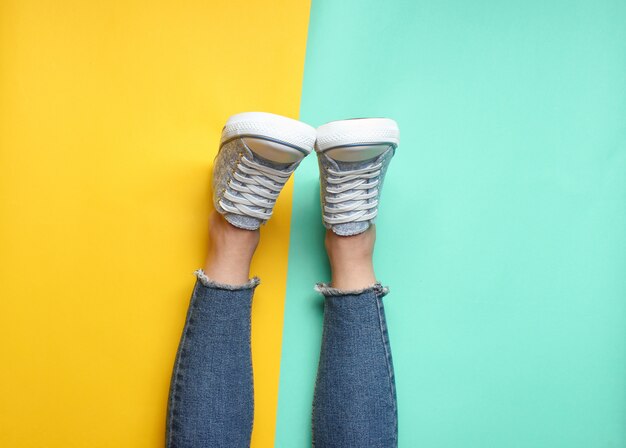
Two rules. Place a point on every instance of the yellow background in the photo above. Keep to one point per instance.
(110, 114)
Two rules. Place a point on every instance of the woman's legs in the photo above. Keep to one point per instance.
(354, 403)
(211, 393)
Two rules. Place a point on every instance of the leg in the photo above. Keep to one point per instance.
(354, 403)
(211, 393)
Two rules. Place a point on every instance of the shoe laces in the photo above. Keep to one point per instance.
(349, 198)
(258, 186)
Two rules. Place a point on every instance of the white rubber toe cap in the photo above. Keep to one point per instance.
(357, 131)
(272, 127)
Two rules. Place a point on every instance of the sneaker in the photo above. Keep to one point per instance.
(258, 153)
(353, 156)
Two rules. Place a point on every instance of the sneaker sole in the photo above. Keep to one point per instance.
(272, 127)
(357, 131)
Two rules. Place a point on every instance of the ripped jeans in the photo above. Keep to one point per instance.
(211, 396)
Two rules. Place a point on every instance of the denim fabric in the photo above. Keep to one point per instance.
(354, 402)
(211, 394)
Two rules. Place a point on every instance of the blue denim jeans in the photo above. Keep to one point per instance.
(211, 397)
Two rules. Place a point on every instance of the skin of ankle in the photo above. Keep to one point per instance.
(351, 259)
(229, 252)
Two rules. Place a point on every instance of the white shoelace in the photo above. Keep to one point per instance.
(258, 185)
(351, 201)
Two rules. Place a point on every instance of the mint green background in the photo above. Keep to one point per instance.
(502, 228)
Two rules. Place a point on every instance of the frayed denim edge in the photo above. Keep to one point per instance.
(327, 290)
(206, 281)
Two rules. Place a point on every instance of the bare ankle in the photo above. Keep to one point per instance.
(226, 237)
(230, 251)
(351, 259)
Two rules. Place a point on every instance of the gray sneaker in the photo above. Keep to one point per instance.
(353, 157)
(258, 153)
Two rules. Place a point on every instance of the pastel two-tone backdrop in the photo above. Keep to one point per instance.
(502, 228)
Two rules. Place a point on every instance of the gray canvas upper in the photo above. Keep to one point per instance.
(228, 167)
(374, 173)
